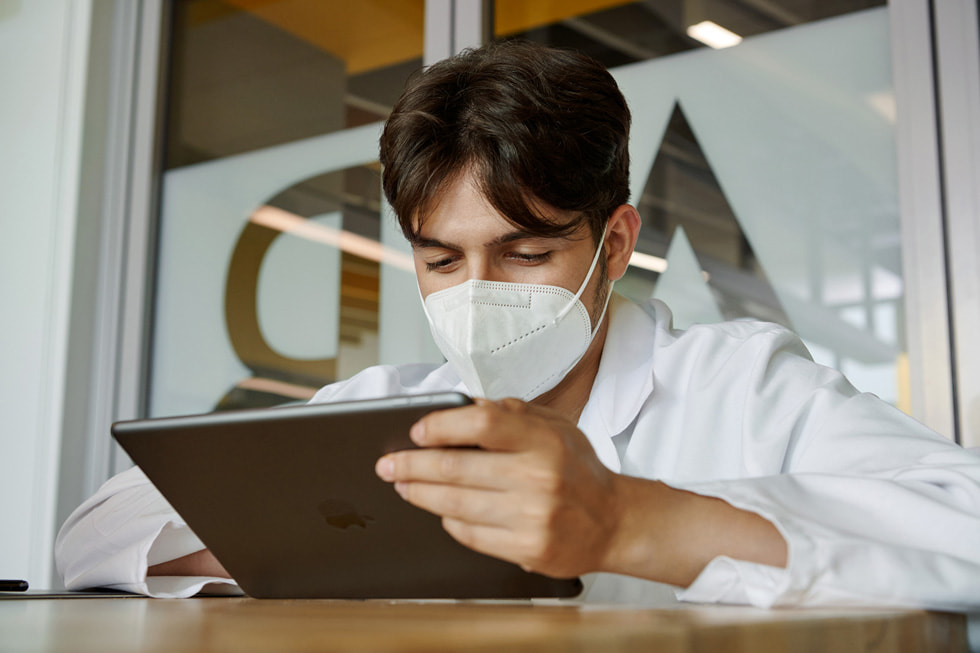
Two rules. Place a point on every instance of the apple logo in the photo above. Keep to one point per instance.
(342, 514)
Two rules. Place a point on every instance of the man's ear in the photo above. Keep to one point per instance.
(622, 231)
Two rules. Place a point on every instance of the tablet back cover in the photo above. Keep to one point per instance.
(287, 499)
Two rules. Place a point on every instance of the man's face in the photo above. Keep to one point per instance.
(465, 238)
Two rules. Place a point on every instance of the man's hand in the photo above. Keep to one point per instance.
(199, 563)
(534, 492)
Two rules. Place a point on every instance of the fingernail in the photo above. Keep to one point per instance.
(385, 468)
(400, 487)
(417, 432)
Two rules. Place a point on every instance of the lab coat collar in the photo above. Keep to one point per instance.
(624, 380)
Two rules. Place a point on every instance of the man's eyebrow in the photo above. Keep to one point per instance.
(511, 237)
(422, 242)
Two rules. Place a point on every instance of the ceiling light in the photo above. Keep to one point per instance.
(713, 34)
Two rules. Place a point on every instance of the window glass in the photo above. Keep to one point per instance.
(269, 275)
(764, 172)
(763, 164)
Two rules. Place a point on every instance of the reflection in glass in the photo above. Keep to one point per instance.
(618, 32)
(253, 313)
(764, 172)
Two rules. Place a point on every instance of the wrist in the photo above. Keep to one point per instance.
(669, 535)
(659, 532)
(628, 547)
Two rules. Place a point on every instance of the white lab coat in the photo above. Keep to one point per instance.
(876, 509)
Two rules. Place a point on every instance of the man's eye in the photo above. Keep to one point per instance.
(525, 257)
(441, 264)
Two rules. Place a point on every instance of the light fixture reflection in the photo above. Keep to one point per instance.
(714, 35)
(648, 262)
(286, 222)
(272, 386)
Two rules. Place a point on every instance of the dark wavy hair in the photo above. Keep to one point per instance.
(530, 122)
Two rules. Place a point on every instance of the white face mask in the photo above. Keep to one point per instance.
(512, 339)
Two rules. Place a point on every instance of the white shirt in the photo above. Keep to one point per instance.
(875, 508)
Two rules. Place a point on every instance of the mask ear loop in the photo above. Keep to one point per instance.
(425, 310)
(588, 276)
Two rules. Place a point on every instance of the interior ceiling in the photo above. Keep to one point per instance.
(373, 34)
(296, 68)
(366, 34)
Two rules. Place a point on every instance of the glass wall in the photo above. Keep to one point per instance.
(764, 168)
(763, 163)
(268, 281)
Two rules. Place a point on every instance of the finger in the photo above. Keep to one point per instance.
(465, 467)
(490, 540)
(499, 542)
(505, 425)
(483, 507)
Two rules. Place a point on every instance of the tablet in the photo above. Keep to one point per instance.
(288, 501)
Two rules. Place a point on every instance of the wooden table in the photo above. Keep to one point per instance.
(240, 624)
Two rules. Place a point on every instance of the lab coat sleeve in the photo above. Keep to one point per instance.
(127, 526)
(117, 534)
(875, 508)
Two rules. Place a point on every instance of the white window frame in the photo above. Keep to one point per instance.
(955, 25)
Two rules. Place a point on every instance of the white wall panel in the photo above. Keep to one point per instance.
(43, 45)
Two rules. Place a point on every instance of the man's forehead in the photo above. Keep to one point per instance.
(460, 210)
(497, 227)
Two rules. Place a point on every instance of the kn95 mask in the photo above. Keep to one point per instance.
(511, 339)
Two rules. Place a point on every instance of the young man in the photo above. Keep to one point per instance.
(720, 460)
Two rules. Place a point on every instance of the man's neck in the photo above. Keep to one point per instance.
(570, 396)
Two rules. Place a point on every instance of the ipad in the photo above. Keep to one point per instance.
(288, 501)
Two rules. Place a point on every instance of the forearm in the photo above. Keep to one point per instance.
(199, 563)
(670, 535)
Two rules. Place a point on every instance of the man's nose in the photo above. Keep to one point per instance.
(480, 269)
